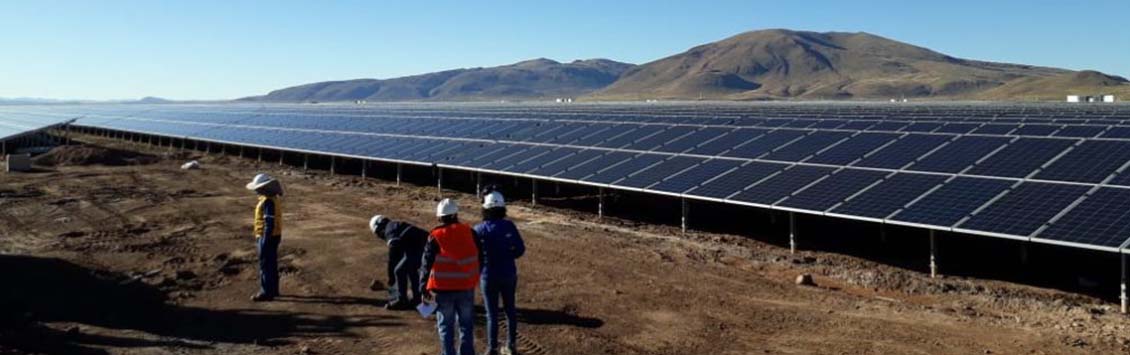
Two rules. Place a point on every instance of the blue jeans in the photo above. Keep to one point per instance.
(455, 306)
(269, 265)
(492, 289)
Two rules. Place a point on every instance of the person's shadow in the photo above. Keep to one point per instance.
(547, 317)
(40, 290)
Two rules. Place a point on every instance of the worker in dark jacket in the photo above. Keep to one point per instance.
(268, 234)
(405, 251)
(450, 273)
(501, 244)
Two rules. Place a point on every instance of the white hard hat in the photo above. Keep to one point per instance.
(446, 207)
(493, 199)
(376, 221)
(259, 180)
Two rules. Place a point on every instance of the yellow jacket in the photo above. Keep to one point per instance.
(268, 217)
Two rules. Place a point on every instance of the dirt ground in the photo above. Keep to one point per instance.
(151, 259)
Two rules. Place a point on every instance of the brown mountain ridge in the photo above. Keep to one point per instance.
(758, 65)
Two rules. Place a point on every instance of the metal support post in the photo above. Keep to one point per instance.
(933, 255)
(600, 203)
(533, 192)
(686, 209)
(398, 174)
(479, 185)
(364, 168)
(439, 182)
(282, 155)
(792, 233)
(883, 233)
(259, 159)
(305, 162)
(1122, 292)
(333, 165)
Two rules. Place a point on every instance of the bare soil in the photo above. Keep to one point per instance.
(151, 259)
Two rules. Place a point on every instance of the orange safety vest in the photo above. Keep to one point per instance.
(456, 267)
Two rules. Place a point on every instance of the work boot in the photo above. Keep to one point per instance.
(491, 352)
(262, 297)
(510, 350)
(397, 306)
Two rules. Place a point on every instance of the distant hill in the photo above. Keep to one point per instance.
(759, 65)
(538, 78)
(834, 65)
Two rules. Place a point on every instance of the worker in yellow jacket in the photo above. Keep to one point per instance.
(268, 234)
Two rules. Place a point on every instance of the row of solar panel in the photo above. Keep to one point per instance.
(1013, 208)
(1073, 160)
(16, 124)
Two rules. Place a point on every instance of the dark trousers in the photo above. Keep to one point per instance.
(269, 265)
(492, 290)
(403, 275)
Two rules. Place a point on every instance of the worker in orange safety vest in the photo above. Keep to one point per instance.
(450, 273)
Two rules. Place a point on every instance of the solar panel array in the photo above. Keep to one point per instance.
(1047, 173)
(20, 122)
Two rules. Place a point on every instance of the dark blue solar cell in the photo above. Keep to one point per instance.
(888, 126)
(921, 127)
(606, 134)
(957, 128)
(800, 123)
(996, 128)
(1021, 157)
(773, 189)
(1102, 219)
(852, 149)
(1091, 161)
(538, 161)
(653, 174)
(828, 124)
(562, 165)
(833, 190)
(959, 154)
(807, 146)
(590, 167)
(491, 157)
(692, 177)
(1025, 209)
(1042, 130)
(627, 139)
(728, 141)
(858, 125)
(694, 139)
(1117, 132)
(765, 143)
(731, 183)
(953, 201)
(616, 172)
(655, 141)
(512, 159)
(903, 151)
(1080, 131)
(890, 195)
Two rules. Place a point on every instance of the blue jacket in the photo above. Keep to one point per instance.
(502, 244)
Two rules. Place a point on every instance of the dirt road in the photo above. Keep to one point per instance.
(151, 259)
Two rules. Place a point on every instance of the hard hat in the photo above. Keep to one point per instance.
(259, 180)
(376, 221)
(493, 199)
(446, 207)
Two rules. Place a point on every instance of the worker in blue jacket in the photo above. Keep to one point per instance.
(405, 250)
(502, 245)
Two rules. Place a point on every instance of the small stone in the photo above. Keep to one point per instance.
(805, 280)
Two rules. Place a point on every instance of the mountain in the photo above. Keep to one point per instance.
(537, 78)
(1086, 82)
(785, 64)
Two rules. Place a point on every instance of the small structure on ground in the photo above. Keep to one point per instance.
(18, 162)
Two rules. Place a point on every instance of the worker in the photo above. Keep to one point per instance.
(450, 272)
(501, 244)
(268, 234)
(405, 250)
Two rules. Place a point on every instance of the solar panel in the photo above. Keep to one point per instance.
(959, 154)
(1101, 219)
(692, 177)
(645, 177)
(773, 189)
(765, 143)
(731, 183)
(807, 146)
(1090, 161)
(953, 201)
(833, 190)
(852, 149)
(903, 151)
(890, 195)
(1025, 208)
(625, 168)
(1021, 158)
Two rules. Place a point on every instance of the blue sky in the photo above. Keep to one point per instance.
(228, 49)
